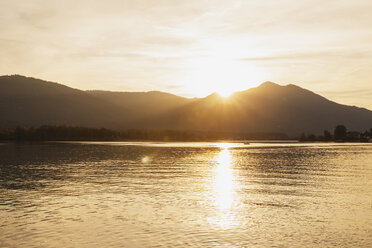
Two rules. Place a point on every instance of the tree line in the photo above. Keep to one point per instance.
(340, 133)
(70, 133)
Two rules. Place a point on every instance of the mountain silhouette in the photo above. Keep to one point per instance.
(142, 104)
(268, 108)
(28, 101)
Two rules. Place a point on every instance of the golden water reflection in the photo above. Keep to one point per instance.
(225, 185)
(224, 181)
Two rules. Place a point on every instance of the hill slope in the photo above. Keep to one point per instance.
(32, 102)
(267, 108)
(143, 104)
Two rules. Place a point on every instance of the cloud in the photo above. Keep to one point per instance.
(149, 45)
(317, 55)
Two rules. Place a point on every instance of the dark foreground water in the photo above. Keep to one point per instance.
(185, 195)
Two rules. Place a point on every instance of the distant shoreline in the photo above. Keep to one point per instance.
(76, 133)
(245, 142)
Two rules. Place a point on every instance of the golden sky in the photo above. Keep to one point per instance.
(192, 47)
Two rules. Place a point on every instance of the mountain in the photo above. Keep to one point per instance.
(28, 101)
(32, 102)
(143, 104)
(267, 108)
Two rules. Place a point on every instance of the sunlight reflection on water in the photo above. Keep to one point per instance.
(224, 180)
(192, 195)
(224, 186)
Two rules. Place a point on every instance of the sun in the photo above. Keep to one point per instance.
(225, 93)
(223, 75)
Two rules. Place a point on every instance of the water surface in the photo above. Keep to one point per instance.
(93, 194)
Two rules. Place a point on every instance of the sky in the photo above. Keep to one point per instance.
(192, 48)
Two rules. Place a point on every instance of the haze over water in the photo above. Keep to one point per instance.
(185, 195)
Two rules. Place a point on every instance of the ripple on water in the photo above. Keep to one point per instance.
(185, 195)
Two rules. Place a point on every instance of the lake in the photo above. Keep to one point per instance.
(97, 194)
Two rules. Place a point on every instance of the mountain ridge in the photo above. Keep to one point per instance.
(270, 107)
